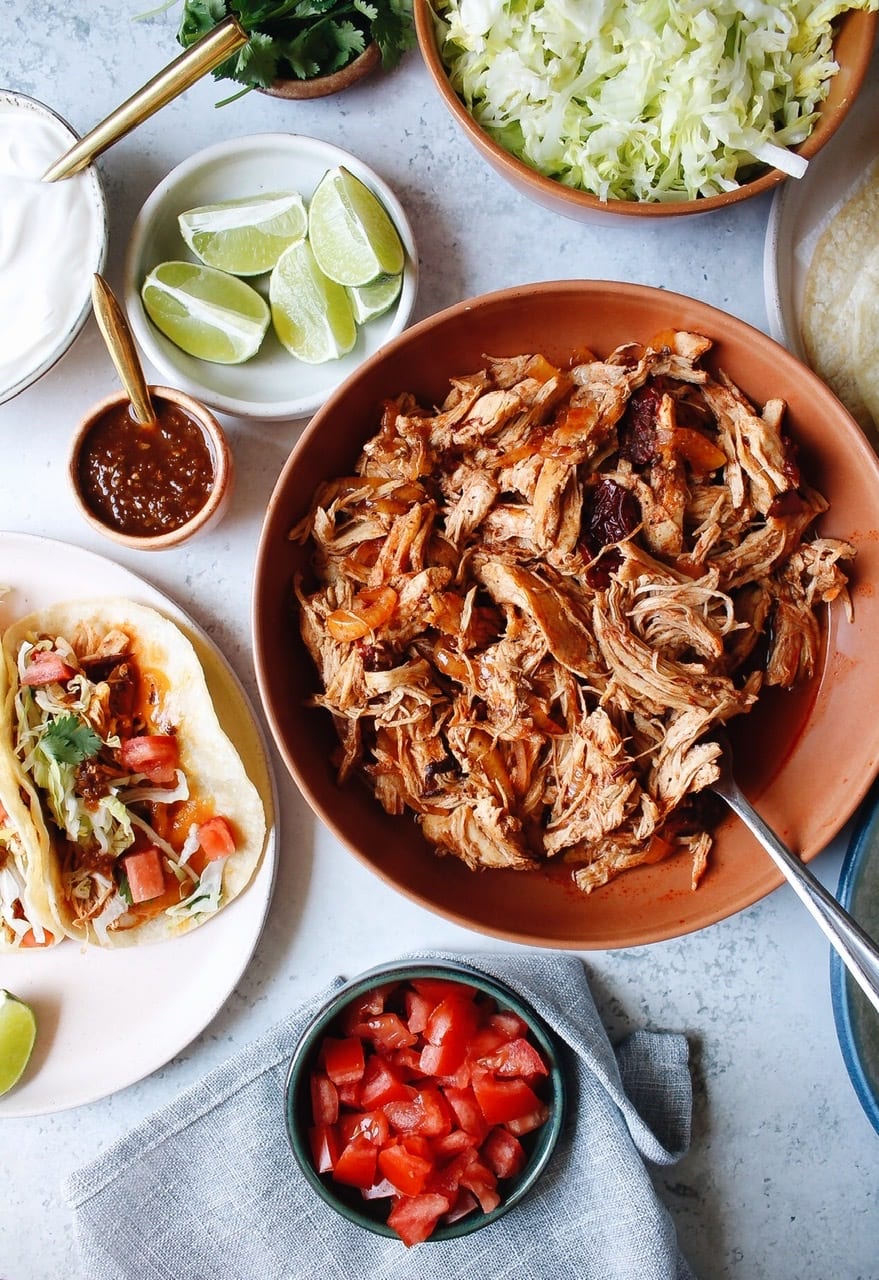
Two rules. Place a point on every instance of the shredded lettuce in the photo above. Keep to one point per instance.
(652, 100)
(207, 895)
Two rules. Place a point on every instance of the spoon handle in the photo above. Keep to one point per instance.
(117, 335)
(856, 948)
(203, 56)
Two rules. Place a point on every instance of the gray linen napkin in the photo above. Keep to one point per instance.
(207, 1189)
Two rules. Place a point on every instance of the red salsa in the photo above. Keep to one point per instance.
(146, 480)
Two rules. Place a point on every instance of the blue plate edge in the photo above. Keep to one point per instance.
(866, 828)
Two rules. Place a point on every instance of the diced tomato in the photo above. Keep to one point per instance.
(450, 1026)
(441, 1060)
(216, 838)
(371, 1125)
(387, 1031)
(381, 1083)
(479, 1179)
(324, 1142)
(509, 1024)
(418, 1009)
(46, 667)
(530, 1121)
(343, 1060)
(446, 1145)
(349, 1094)
(426, 1113)
(408, 1172)
(467, 1111)
(465, 1202)
(145, 874)
(408, 1062)
(503, 1153)
(415, 1217)
(437, 989)
(503, 1100)
(357, 1162)
(155, 755)
(29, 939)
(485, 1041)
(366, 1006)
(324, 1099)
(517, 1057)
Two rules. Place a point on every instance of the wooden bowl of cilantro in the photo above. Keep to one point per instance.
(294, 55)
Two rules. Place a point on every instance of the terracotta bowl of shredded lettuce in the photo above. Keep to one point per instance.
(646, 108)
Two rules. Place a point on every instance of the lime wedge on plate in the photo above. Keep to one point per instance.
(374, 299)
(351, 233)
(18, 1030)
(312, 315)
(206, 312)
(246, 236)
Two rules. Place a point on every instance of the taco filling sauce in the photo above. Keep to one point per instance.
(146, 480)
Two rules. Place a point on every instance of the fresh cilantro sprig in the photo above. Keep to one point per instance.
(300, 39)
(69, 741)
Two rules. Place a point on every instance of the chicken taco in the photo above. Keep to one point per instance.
(152, 822)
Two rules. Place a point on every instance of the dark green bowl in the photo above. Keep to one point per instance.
(372, 1214)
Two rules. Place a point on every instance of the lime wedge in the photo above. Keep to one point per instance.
(312, 315)
(246, 236)
(353, 238)
(374, 299)
(18, 1030)
(206, 312)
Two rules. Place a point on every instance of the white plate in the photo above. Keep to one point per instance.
(108, 1018)
(273, 385)
(801, 209)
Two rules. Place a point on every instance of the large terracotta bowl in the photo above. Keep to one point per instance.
(806, 759)
(856, 35)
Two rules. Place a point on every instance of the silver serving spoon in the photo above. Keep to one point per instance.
(857, 950)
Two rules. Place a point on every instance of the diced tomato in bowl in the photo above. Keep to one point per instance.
(448, 1097)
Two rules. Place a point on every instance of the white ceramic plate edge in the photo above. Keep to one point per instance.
(801, 209)
(154, 1000)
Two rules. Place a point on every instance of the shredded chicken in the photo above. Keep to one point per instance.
(533, 603)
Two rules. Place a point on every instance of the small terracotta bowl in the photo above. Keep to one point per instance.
(323, 86)
(371, 1212)
(219, 490)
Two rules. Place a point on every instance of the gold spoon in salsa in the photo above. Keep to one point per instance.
(120, 343)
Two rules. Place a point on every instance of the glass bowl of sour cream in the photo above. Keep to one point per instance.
(53, 238)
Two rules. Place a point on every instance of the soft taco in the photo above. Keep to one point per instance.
(153, 824)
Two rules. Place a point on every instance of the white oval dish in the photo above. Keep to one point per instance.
(802, 209)
(59, 313)
(273, 385)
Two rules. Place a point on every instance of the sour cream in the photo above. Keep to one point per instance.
(52, 240)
